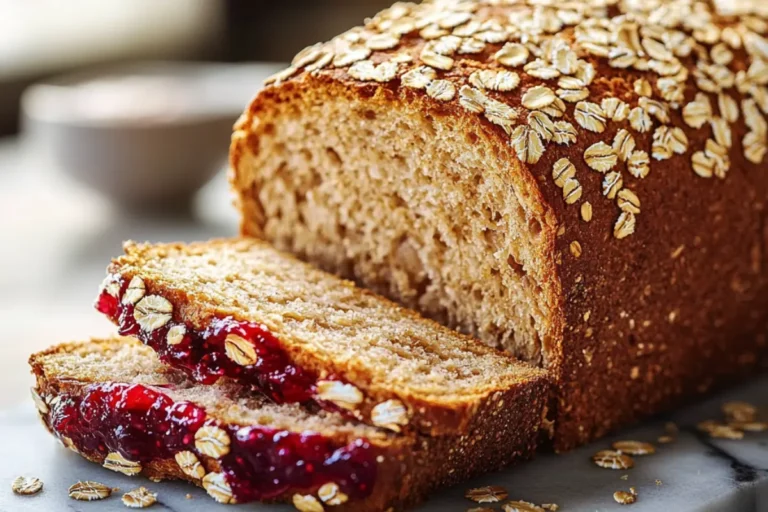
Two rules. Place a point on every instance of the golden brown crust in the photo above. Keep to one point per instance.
(465, 380)
(651, 302)
(410, 467)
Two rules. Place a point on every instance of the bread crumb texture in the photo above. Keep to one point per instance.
(408, 465)
(331, 327)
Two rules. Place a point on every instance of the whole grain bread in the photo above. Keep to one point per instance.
(363, 354)
(407, 467)
(580, 183)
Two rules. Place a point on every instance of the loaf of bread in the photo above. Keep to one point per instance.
(115, 404)
(239, 308)
(582, 183)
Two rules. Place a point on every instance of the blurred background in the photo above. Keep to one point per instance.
(114, 124)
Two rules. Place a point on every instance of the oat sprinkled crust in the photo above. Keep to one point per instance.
(406, 466)
(659, 106)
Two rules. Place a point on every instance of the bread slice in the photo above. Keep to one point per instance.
(580, 183)
(114, 403)
(241, 309)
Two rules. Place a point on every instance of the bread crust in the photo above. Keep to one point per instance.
(411, 465)
(638, 324)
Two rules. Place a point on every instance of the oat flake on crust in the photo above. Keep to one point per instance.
(661, 49)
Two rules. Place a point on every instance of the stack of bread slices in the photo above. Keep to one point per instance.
(580, 185)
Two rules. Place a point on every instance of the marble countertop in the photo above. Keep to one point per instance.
(692, 474)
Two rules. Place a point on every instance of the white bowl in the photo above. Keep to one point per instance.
(147, 135)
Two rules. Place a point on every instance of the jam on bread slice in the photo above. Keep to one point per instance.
(240, 309)
(113, 402)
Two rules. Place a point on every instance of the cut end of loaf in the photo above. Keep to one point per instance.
(406, 199)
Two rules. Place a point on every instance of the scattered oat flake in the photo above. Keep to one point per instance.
(494, 80)
(26, 486)
(488, 494)
(739, 411)
(521, 506)
(139, 498)
(572, 190)
(89, 491)
(590, 116)
(586, 211)
(634, 447)
(554, 507)
(665, 439)
(624, 497)
(576, 249)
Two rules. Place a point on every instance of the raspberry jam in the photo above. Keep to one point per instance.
(263, 463)
(203, 355)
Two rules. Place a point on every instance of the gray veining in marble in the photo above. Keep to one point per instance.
(697, 474)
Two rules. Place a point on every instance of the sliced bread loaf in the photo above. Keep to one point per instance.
(113, 402)
(240, 309)
(581, 183)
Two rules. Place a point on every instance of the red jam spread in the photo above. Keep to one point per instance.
(202, 353)
(263, 463)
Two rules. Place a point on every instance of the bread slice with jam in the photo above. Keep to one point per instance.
(113, 402)
(240, 309)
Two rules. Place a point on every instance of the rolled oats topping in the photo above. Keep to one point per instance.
(330, 494)
(26, 486)
(116, 462)
(212, 441)
(419, 78)
(441, 90)
(240, 350)
(153, 312)
(562, 170)
(339, 393)
(391, 414)
(190, 465)
(538, 97)
(487, 494)
(492, 80)
(89, 491)
(215, 484)
(601, 157)
(135, 291)
(527, 144)
(673, 67)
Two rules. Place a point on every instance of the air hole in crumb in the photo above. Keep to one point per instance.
(472, 138)
(333, 156)
(306, 155)
(534, 227)
(369, 114)
(516, 267)
(632, 339)
(269, 129)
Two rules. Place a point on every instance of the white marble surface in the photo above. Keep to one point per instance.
(697, 474)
